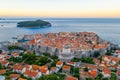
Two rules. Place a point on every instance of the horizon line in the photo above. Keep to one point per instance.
(49, 17)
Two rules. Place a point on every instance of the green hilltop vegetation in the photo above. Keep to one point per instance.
(34, 24)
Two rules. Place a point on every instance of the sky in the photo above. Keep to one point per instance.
(60, 8)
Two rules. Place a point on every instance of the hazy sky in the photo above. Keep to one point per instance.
(60, 8)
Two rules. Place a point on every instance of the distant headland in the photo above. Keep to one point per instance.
(34, 24)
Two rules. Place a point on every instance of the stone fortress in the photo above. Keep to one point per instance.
(65, 45)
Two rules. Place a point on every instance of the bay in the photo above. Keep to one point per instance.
(106, 28)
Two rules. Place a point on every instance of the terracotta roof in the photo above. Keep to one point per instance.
(93, 73)
(106, 71)
(1, 59)
(32, 42)
(3, 53)
(2, 71)
(53, 68)
(91, 66)
(118, 73)
(21, 79)
(4, 62)
(7, 57)
(14, 75)
(71, 78)
(31, 73)
(71, 62)
(35, 66)
(18, 67)
(117, 51)
(111, 57)
(27, 66)
(15, 54)
(97, 46)
(59, 63)
(65, 67)
(58, 40)
(96, 60)
(84, 74)
(43, 69)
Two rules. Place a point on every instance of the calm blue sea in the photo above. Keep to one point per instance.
(106, 28)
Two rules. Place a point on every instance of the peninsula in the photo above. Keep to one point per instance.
(60, 56)
(34, 24)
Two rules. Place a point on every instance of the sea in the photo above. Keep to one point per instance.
(107, 28)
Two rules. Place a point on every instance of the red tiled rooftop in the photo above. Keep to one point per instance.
(66, 67)
(18, 67)
(4, 62)
(43, 69)
(93, 73)
(106, 71)
(35, 66)
(30, 73)
(53, 68)
(32, 42)
(91, 66)
(21, 79)
(117, 51)
(14, 75)
(96, 60)
(82, 74)
(2, 71)
(71, 78)
(71, 62)
(57, 40)
(111, 57)
(118, 73)
(59, 63)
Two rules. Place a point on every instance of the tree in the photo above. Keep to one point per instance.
(31, 59)
(43, 60)
(109, 52)
(113, 77)
(46, 54)
(49, 77)
(76, 70)
(96, 54)
(77, 75)
(99, 76)
(53, 64)
(14, 48)
(106, 79)
(15, 59)
(8, 72)
(86, 69)
(22, 76)
(0, 51)
(54, 57)
(2, 66)
(89, 41)
(89, 79)
(87, 60)
(72, 70)
(55, 60)
(75, 59)
(100, 58)
(61, 76)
